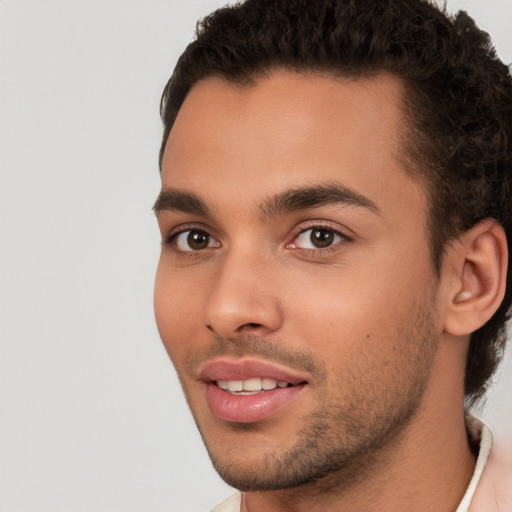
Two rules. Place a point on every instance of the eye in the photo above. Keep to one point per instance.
(316, 238)
(193, 240)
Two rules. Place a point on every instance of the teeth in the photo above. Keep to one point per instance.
(236, 385)
(251, 386)
(268, 383)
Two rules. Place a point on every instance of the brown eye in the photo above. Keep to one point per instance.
(194, 240)
(321, 238)
(197, 240)
(317, 238)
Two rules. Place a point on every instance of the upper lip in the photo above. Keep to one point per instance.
(243, 369)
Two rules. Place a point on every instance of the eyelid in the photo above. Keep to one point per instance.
(184, 246)
(184, 228)
(346, 235)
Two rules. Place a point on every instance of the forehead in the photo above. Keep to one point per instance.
(289, 129)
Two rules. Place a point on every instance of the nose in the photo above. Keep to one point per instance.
(242, 300)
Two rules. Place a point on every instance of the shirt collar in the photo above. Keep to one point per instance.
(479, 435)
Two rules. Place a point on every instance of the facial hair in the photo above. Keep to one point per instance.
(360, 411)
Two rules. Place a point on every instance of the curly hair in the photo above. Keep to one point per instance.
(458, 105)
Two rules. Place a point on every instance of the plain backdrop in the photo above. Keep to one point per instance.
(92, 417)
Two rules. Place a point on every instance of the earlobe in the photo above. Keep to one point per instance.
(478, 266)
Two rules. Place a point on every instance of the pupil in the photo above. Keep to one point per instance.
(322, 237)
(197, 240)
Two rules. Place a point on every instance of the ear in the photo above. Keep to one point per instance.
(474, 270)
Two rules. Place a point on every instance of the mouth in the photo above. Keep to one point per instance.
(249, 391)
(251, 386)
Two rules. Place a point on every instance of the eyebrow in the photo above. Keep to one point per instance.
(314, 196)
(180, 200)
(300, 198)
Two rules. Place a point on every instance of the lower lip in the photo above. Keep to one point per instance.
(249, 408)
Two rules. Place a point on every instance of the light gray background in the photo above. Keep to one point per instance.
(92, 417)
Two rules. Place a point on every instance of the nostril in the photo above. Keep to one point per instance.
(251, 325)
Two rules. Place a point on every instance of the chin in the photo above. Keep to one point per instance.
(317, 456)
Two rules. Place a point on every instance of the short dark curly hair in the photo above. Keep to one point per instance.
(458, 104)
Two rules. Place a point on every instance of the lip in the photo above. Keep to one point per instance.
(243, 369)
(249, 408)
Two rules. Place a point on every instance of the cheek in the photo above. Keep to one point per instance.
(176, 311)
(360, 303)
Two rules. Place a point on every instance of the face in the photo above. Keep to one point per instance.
(295, 292)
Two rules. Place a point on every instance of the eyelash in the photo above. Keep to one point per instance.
(171, 240)
(319, 226)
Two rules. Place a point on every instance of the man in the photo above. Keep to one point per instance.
(332, 288)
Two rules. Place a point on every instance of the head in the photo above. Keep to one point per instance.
(458, 103)
(324, 163)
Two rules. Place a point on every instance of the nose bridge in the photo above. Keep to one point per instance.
(242, 295)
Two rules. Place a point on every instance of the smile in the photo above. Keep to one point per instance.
(251, 386)
(248, 391)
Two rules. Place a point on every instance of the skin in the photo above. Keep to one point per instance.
(363, 319)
